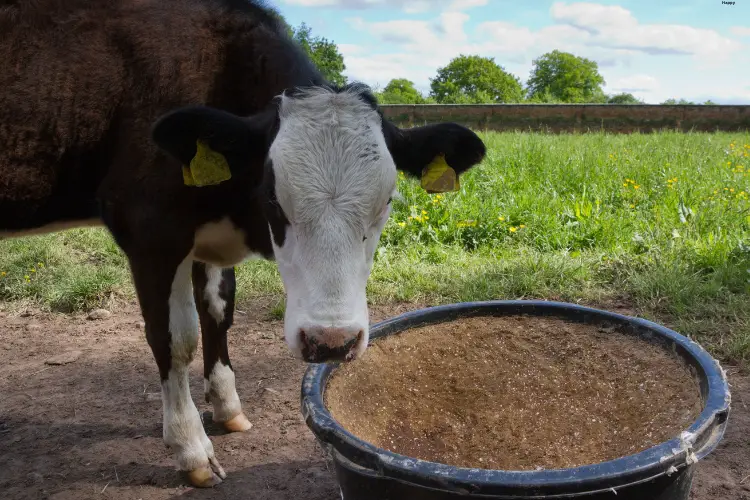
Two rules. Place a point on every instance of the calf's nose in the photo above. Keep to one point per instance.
(321, 345)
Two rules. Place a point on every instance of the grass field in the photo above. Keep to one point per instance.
(661, 222)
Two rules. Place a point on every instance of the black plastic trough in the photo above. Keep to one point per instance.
(663, 472)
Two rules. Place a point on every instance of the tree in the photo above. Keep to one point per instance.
(543, 98)
(400, 91)
(324, 53)
(672, 102)
(475, 79)
(566, 77)
(624, 98)
(685, 102)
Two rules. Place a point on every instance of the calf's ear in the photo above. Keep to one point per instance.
(428, 151)
(213, 145)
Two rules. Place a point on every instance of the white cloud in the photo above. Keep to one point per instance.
(349, 49)
(408, 6)
(418, 34)
(592, 17)
(740, 31)
(635, 83)
(616, 27)
(466, 4)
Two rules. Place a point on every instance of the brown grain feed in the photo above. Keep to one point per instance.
(514, 393)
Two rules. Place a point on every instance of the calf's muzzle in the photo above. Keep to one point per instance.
(321, 345)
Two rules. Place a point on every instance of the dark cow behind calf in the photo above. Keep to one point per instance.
(200, 135)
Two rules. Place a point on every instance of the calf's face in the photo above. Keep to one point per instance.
(325, 163)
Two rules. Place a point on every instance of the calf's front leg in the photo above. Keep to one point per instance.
(214, 295)
(165, 293)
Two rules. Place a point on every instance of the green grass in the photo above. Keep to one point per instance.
(591, 218)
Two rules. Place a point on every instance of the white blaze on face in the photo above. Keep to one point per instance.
(334, 177)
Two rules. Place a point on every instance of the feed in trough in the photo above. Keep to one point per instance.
(514, 393)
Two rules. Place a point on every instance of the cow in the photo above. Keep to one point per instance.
(199, 134)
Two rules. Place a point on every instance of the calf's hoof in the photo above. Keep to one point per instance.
(240, 423)
(204, 477)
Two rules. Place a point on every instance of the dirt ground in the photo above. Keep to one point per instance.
(92, 428)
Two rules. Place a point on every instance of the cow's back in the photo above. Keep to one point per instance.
(83, 81)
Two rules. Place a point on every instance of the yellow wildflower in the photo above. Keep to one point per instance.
(636, 186)
(522, 226)
(501, 218)
(3, 273)
(512, 229)
(402, 224)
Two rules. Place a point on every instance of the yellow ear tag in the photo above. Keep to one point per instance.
(439, 177)
(206, 168)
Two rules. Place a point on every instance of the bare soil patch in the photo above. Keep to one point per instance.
(91, 429)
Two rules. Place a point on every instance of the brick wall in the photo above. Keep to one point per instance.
(622, 118)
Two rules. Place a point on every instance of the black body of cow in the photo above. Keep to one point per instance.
(82, 86)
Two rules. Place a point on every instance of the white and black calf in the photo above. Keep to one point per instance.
(302, 173)
(324, 190)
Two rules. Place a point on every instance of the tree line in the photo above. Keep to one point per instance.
(556, 77)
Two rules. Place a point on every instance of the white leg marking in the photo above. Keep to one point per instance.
(222, 394)
(183, 315)
(216, 304)
(183, 429)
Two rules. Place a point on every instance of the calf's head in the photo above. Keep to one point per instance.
(325, 163)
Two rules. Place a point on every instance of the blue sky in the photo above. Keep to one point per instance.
(694, 49)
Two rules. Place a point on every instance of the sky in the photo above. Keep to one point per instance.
(654, 49)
